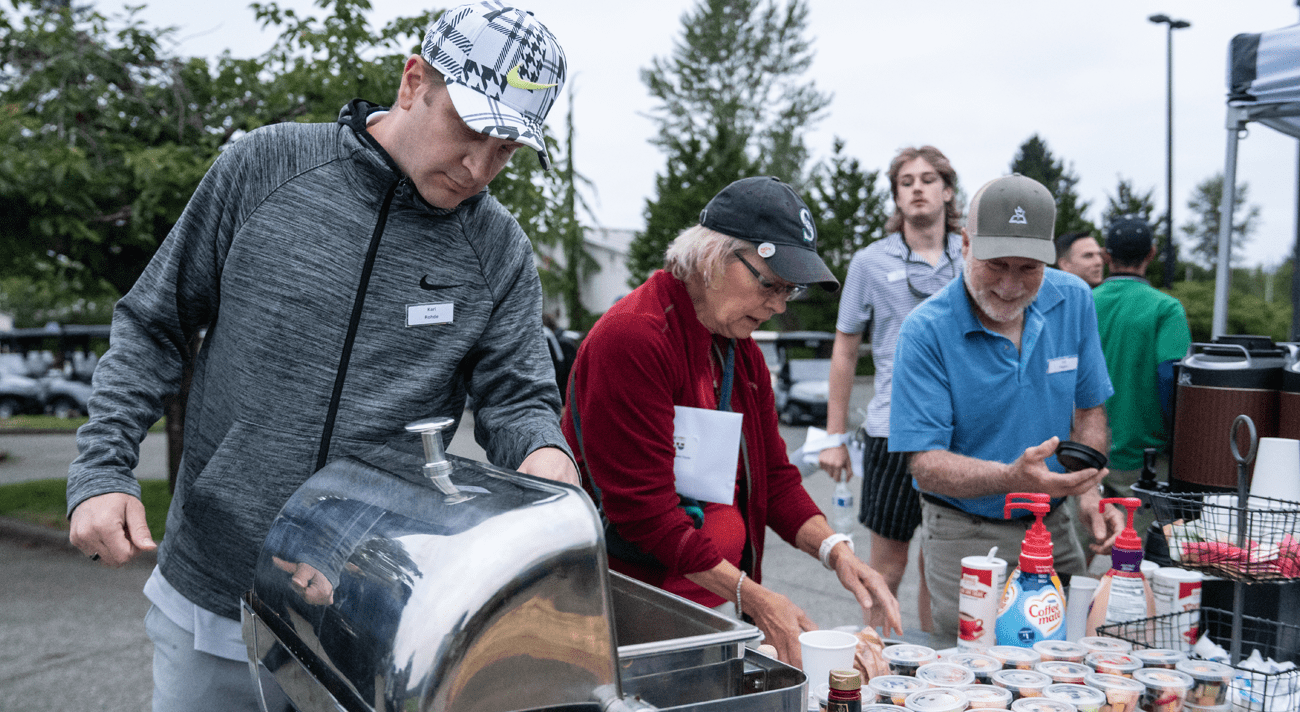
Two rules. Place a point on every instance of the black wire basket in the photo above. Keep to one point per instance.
(1203, 530)
(1252, 691)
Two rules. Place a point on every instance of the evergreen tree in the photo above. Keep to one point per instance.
(1127, 201)
(1035, 160)
(850, 212)
(732, 103)
(1202, 229)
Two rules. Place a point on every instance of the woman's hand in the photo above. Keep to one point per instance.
(780, 620)
(879, 607)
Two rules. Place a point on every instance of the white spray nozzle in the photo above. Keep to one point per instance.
(992, 552)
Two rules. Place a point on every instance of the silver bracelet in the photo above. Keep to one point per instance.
(824, 551)
(739, 610)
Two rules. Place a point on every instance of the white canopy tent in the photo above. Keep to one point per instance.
(1263, 86)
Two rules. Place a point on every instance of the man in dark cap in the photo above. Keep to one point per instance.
(1143, 332)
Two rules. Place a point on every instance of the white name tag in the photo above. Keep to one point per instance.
(421, 314)
(1064, 363)
(896, 275)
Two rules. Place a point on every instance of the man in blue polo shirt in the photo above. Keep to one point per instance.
(989, 376)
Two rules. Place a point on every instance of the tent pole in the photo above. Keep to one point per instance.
(1223, 266)
(1295, 260)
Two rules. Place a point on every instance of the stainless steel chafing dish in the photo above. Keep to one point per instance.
(469, 588)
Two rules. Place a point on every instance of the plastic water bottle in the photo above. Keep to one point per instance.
(843, 515)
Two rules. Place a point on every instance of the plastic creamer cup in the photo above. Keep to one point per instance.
(945, 675)
(1211, 682)
(877, 707)
(1165, 689)
(1022, 683)
(1122, 694)
(1061, 650)
(938, 699)
(1102, 644)
(983, 666)
(1084, 698)
(1063, 672)
(1041, 704)
(1015, 658)
(1113, 663)
(987, 697)
(1166, 658)
(893, 689)
(905, 659)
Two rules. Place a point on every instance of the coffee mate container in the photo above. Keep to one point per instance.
(982, 579)
(1033, 604)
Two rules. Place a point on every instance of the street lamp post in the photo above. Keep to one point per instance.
(1169, 139)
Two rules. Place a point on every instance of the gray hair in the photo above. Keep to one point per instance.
(700, 251)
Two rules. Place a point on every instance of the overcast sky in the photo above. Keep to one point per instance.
(974, 78)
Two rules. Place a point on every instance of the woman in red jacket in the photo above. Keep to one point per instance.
(682, 340)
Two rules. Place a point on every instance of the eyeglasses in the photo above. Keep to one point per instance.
(788, 292)
(907, 270)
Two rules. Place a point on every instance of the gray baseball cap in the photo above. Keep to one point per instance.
(1012, 216)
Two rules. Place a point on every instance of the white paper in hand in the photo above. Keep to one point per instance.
(708, 450)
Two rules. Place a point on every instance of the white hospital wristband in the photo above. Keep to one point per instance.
(824, 551)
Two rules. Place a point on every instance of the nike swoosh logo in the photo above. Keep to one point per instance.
(426, 284)
(514, 80)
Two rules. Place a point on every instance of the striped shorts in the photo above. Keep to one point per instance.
(891, 507)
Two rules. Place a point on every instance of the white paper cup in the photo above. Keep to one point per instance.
(1277, 469)
(826, 650)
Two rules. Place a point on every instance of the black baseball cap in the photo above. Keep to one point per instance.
(1129, 238)
(768, 213)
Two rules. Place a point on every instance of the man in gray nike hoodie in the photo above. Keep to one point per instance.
(352, 277)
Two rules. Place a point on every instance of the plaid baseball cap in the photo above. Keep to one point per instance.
(504, 70)
(768, 213)
(1012, 216)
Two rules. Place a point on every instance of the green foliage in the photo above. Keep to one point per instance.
(45, 502)
(692, 177)
(1035, 160)
(850, 212)
(563, 234)
(1202, 228)
(732, 103)
(1248, 312)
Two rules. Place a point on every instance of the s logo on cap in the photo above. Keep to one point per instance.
(809, 232)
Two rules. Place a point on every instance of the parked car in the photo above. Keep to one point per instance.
(802, 385)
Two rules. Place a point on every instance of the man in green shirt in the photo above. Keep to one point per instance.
(1143, 333)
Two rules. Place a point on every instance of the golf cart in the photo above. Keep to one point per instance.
(802, 376)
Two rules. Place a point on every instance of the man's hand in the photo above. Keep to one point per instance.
(1104, 526)
(111, 526)
(835, 460)
(1029, 473)
(552, 464)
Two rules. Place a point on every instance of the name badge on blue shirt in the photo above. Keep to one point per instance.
(1064, 363)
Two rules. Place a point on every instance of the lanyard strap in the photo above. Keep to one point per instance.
(728, 376)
